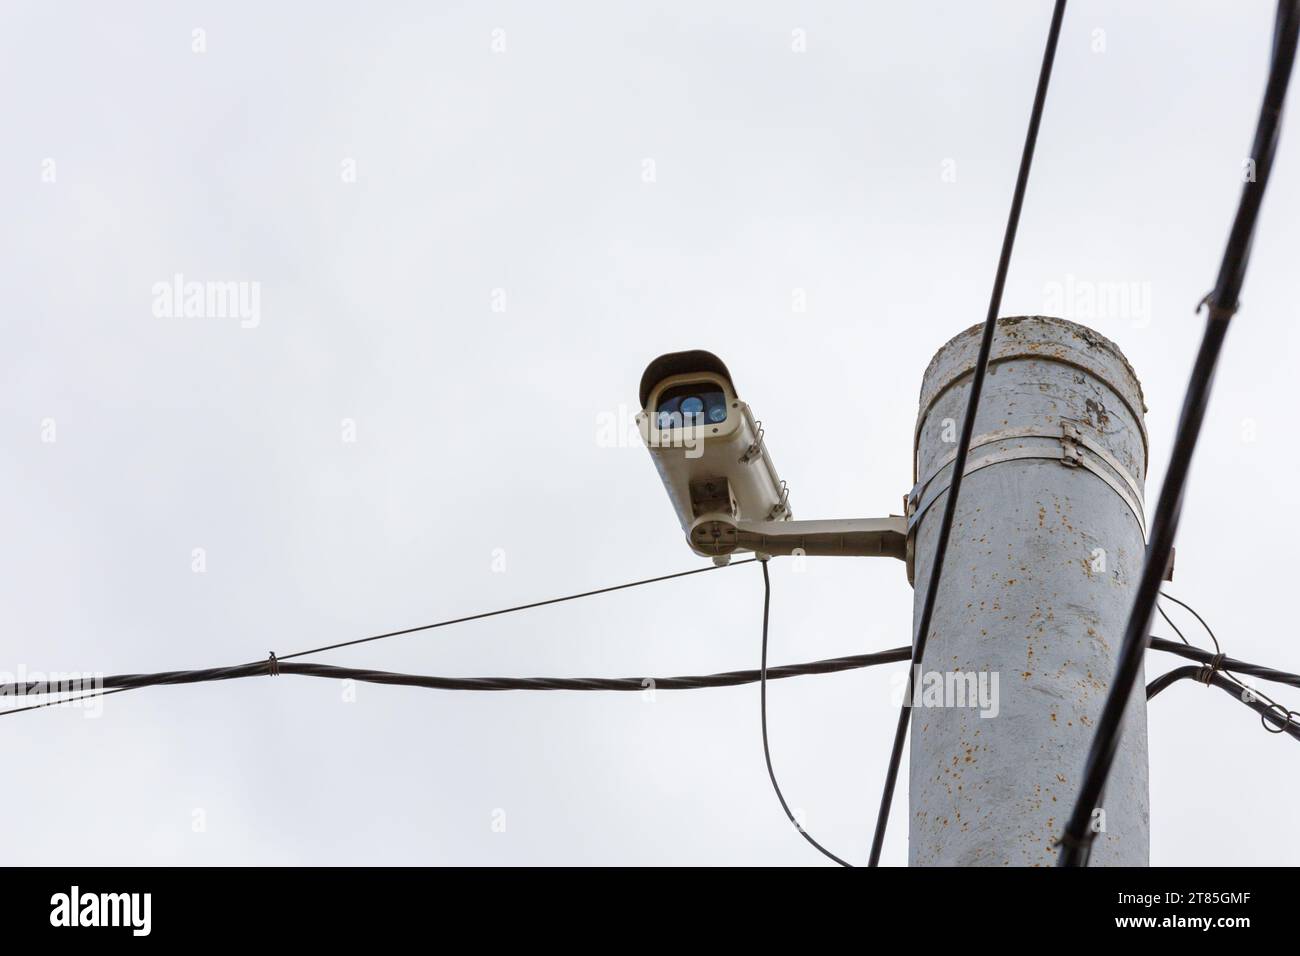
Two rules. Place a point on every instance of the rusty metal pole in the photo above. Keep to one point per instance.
(1044, 557)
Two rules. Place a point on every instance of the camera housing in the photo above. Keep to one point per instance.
(706, 444)
(709, 451)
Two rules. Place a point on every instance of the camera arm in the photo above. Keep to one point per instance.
(719, 536)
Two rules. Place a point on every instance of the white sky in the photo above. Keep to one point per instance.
(476, 430)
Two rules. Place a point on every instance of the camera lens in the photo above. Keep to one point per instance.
(691, 405)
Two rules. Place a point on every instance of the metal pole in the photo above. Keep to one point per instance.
(1043, 560)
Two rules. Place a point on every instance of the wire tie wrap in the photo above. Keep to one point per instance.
(1217, 313)
(273, 666)
(1209, 669)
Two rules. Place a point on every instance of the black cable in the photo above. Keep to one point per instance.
(1227, 663)
(1220, 663)
(121, 682)
(116, 683)
(1173, 625)
(968, 426)
(1223, 661)
(1187, 607)
(511, 610)
(762, 707)
(1222, 303)
(1164, 681)
(1288, 722)
(61, 700)
(178, 677)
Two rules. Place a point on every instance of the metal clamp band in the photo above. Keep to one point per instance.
(988, 438)
(1069, 438)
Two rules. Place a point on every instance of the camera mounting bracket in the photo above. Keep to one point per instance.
(718, 536)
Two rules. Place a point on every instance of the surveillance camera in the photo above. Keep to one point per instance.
(711, 456)
(706, 444)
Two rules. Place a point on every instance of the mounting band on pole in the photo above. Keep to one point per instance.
(1074, 450)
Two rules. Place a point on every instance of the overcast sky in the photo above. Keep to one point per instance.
(470, 226)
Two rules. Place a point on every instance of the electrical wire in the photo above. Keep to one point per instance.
(762, 707)
(1287, 722)
(1188, 607)
(1214, 672)
(1226, 663)
(968, 426)
(1223, 663)
(378, 637)
(1076, 842)
(511, 610)
(1180, 634)
(243, 670)
(116, 683)
(62, 700)
(121, 682)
